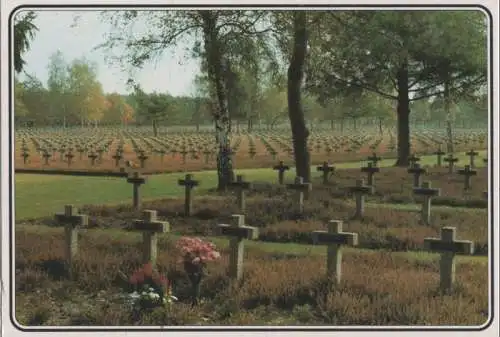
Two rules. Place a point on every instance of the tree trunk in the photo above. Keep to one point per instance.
(380, 130)
(341, 125)
(403, 112)
(332, 125)
(449, 117)
(295, 111)
(221, 114)
(249, 125)
(155, 128)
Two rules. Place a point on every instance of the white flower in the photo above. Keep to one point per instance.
(154, 296)
(169, 299)
(134, 295)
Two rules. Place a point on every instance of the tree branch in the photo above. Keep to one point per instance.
(477, 81)
(358, 83)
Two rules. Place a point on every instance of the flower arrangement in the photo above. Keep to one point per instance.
(195, 253)
(151, 289)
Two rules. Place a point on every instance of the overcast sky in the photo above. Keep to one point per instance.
(173, 74)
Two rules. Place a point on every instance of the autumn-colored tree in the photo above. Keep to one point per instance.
(115, 109)
(87, 101)
(128, 115)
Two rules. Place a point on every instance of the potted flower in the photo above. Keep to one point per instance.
(195, 254)
(151, 289)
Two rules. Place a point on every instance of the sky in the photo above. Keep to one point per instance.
(173, 74)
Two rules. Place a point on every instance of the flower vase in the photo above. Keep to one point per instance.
(195, 274)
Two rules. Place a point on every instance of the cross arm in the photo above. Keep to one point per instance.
(459, 246)
(74, 220)
(154, 226)
(241, 232)
(325, 238)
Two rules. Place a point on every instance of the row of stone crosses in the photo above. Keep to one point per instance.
(360, 190)
(236, 230)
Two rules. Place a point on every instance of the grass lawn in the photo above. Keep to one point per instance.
(43, 195)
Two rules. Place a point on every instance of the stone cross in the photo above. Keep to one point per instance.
(417, 171)
(326, 169)
(184, 154)
(161, 154)
(467, 173)
(150, 227)
(80, 150)
(471, 155)
(334, 238)
(25, 155)
(207, 153)
(252, 152)
(136, 180)
(360, 190)
(302, 188)
(370, 171)
(240, 185)
(413, 160)
(237, 231)
(71, 221)
(448, 246)
(61, 153)
(92, 156)
(142, 158)
(193, 153)
(69, 157)
(428, 193)
(374, 159)
(439, 153)
(451, 162)
(46, 156)
(281, 168)
(117, 157)
(188, 184)
(99, 153)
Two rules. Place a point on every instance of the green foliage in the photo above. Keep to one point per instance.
(19, 105)
(273, 106)
(357, 50)
(151, 107)
(24, 32)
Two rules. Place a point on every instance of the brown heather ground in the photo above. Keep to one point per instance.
(378, 288)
